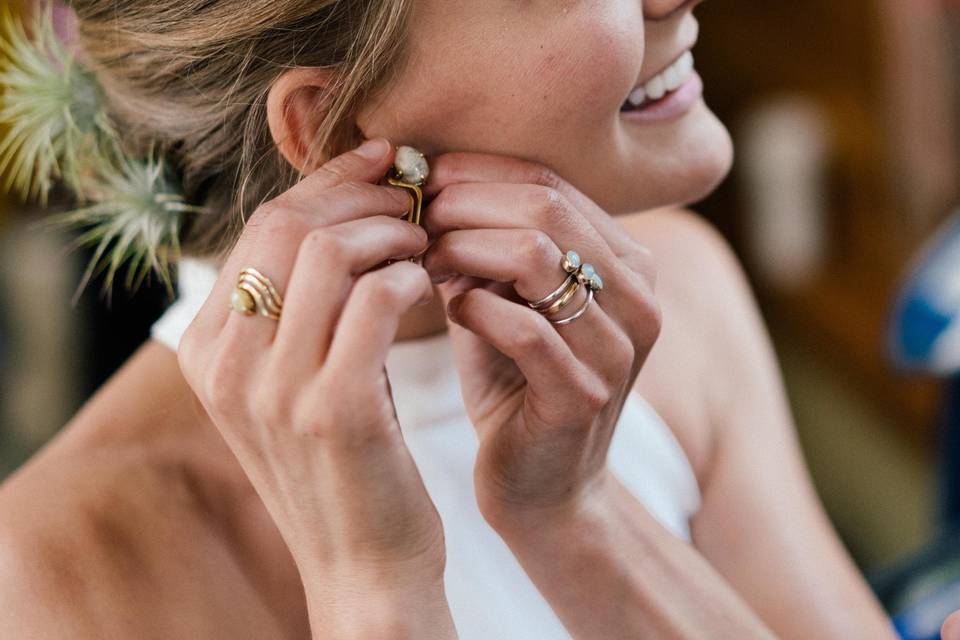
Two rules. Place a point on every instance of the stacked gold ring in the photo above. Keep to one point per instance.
(579, 273)
(254, 293)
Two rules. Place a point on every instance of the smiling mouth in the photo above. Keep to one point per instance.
(662, 84)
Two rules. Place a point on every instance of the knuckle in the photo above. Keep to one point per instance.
(540, 247)
(529, 337)
(379, 288)
(274, 220)
(594, 394)
(549, 206)
(324, 242)
(544, 176)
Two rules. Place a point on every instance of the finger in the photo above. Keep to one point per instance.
(271, 237)
(368, 324)
(509, 206)
(526, 258)
(626, 295)
(369, 162)
(323, 275)
(529, 260)
(468, 167)
(558, 382)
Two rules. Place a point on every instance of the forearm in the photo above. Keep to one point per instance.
(611, 571)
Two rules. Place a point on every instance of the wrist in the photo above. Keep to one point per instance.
(589, 509)
(359, 611)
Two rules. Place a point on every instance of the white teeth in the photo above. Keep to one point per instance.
(670, 79)
(657, 87)
(639, 96)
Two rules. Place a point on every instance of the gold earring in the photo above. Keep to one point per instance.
(410, 171)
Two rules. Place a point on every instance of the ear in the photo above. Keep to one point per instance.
(296, 105)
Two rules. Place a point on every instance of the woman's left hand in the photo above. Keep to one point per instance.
(544, 398)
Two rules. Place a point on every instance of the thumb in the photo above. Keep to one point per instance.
(367, 163)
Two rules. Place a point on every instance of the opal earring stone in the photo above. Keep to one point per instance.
(410, 165)
(410, 171)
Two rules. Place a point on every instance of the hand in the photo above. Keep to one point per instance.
(544, 399)
(304, 402)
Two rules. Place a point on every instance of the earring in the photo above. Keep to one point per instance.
(410, 171)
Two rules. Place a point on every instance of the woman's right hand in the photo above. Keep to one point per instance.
(304, 402)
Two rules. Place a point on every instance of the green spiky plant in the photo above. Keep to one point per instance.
(52, 105)
(134, 218)
(131, 208)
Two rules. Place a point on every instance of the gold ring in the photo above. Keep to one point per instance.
(569, 263)
(564, 299)
(580, 273)
(255, 293)
(582, 310)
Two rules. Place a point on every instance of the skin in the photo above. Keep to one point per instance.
(212, 513)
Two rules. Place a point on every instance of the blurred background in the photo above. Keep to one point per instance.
(845, 117)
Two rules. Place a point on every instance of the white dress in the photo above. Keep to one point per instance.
(489, 594)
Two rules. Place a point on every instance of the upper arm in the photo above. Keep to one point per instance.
(761, 524)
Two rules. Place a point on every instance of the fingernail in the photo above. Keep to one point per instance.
(441, 278)
(373, 149)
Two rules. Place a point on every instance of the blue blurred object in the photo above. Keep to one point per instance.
(922, 590)
(925, 328)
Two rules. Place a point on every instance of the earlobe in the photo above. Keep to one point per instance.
(296, 106)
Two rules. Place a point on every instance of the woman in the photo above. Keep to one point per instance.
(255, 483)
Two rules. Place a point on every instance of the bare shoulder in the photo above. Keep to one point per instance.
(709, 315)
(82, 535)
(102, 537)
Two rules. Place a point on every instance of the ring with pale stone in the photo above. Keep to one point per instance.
(255, 293)
(579, 273)
(570, 263)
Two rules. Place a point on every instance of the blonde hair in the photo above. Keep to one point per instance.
(193, 76)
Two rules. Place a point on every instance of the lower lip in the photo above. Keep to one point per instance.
(674, 104)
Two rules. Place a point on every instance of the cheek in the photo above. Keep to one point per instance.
(556, 87)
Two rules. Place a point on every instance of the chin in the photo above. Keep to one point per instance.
(695, 159)
(707, 168)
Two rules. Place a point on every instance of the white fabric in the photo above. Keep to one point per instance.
(490, 596)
